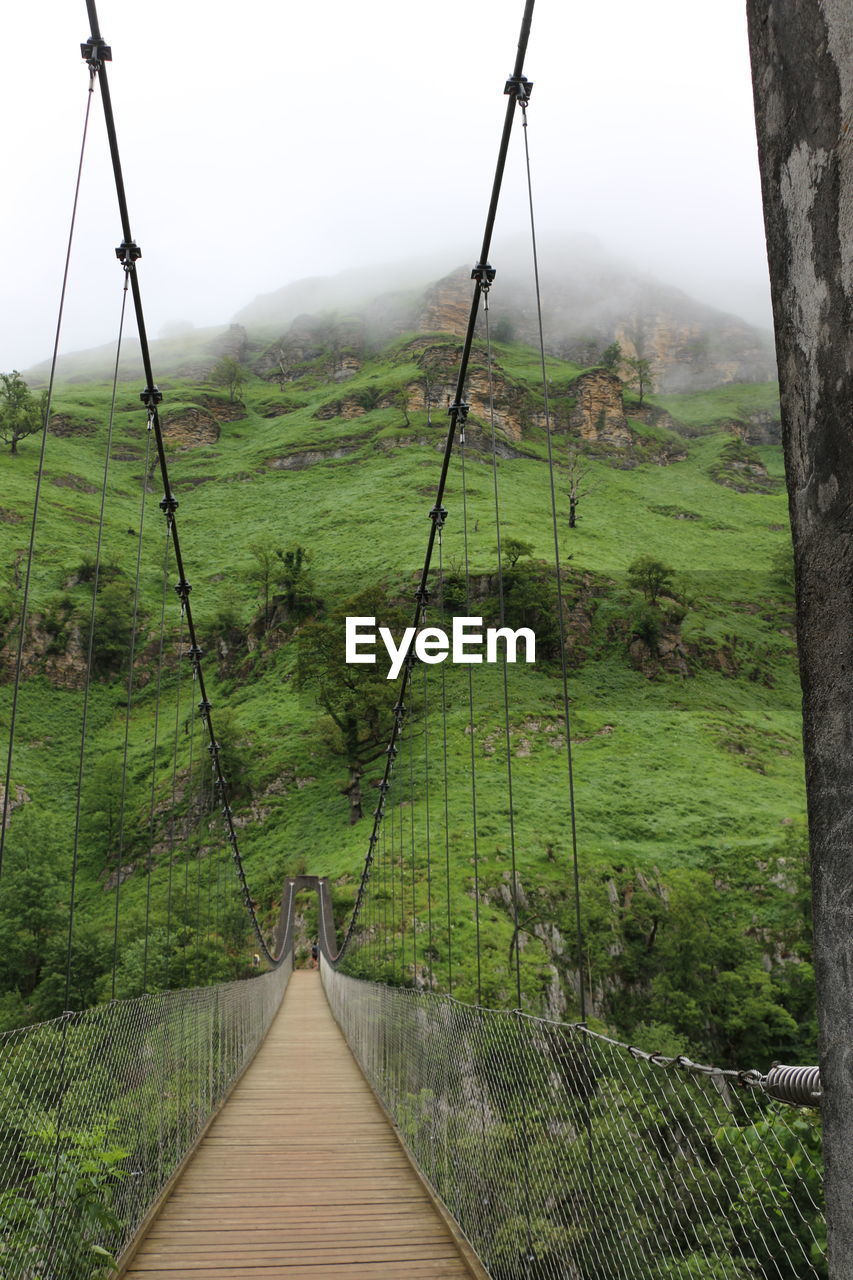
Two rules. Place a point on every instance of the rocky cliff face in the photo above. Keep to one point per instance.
(688, 355)
(757, 428)
(446, 305)
(690, 347)
(589, 300)
(599, 412)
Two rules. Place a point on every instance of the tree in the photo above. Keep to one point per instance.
(289, 354)
(802, 67)
(639, 374)
(431, 387)
(611, 357)
(651, 577)
(368, 397)
(113, 625)
(285, 590)
(578, 471)
(231, 374)
(294, 596)
(261, 574)
(21, 413)
(512, 549)
(433, 378)
(400, 400)
(504, 330)
(108, 800)
(358, 699)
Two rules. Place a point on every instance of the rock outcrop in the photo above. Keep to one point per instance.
(599, 412)
(446, 305)
(21, 797)
(757, 428)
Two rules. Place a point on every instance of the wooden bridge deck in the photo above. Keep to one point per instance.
(300, 1176)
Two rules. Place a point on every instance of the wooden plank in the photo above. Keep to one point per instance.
(300, 1177)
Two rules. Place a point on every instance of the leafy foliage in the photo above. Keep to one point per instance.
(21, 412)
(231, 374)
(651, 577)
(52, 1224)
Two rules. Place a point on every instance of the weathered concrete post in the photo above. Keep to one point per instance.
(802, 70)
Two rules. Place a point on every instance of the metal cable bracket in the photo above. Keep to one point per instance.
(520, 88)
(95, 51)
(484, 274)
(129, 252)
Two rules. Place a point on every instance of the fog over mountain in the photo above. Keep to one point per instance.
(353, 135)
(590, 298)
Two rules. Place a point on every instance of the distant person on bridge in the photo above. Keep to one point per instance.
(315, 955)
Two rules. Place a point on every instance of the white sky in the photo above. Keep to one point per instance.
(264, 141)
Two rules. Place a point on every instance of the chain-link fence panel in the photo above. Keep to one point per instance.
(98, 1108)
(564, 1155)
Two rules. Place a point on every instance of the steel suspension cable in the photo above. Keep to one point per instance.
(172, 804)
(90, 654)
(187, 910)
(69, 942)
(504, 676)
(25, 599)
(128, 708)
(444, 763)
(523, 102)
(471, 726)
(430, 950)
(481, 274)
(413, 842)
(401, 885)
(97, 53)
(154, 754)
(392, 844)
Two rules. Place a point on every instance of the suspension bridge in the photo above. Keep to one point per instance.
(361, 1120)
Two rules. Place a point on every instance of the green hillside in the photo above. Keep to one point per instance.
(687, 757)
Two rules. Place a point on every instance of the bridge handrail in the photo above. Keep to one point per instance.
(99, 1108)
(561, 1152)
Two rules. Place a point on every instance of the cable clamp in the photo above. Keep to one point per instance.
(399, 710)
(484, 274)
(460, 408)
(213, 748)
(438, 515)
(205, 708)
(422, 596)
(128, 252)
(169, 505)
(226, 811)
(182, 590)
(520, 88)
(151, 395)
(194, 653)
(95, 52)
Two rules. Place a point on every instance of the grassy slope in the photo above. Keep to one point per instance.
(675, 772)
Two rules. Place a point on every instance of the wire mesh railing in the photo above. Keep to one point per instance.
(563, 1154)
(98, 1108)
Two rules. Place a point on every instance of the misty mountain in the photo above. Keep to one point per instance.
(589, 300)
